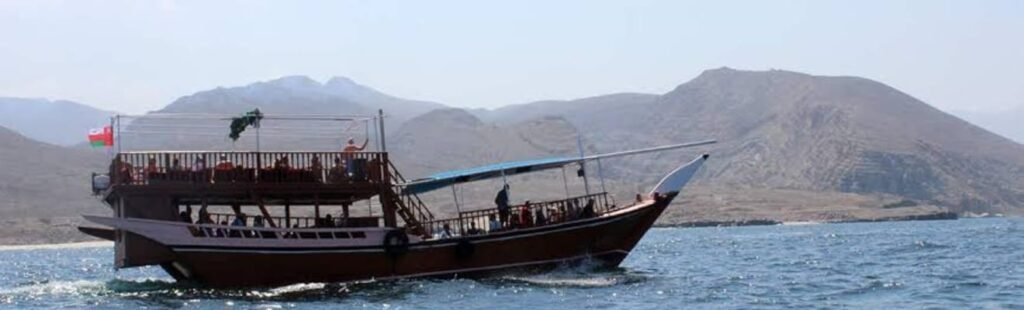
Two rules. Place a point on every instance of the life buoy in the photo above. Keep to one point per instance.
(396, 242)
(464, 249)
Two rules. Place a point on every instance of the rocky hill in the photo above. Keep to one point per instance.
(789, 130)
(44, 189)
(59, 122)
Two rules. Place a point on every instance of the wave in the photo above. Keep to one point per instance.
(58, 246)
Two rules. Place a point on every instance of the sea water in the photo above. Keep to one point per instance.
(970, 263)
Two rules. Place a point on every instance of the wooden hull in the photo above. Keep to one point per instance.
(606, 240)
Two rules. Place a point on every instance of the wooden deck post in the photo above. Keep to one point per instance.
(387, 205)
(287, 215)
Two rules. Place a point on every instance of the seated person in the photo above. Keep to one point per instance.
(472, 229)
(525, 216)
(176, 164)
(446, 232)
(186, 215)
(495, 225)
(317, 168)
(224, 164)
(220, 231)
(200, 165)
(328, 221)
(539, 217)
(125, 172)
(239, 221)
(151, 167)
(338, 172)
(588, 210)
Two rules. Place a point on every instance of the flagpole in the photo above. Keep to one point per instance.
(110, 150)
(118, 133)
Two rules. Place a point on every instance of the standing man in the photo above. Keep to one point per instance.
(356, 167)
(352, 147)
(501, 200)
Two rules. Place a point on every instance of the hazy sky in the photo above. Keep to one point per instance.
(134, 56)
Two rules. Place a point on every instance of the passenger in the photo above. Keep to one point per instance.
(328, 221)
(176, 164)
(338, 172)
(186, 215)
(472, 229)
(351, 146)
(525, 217)
(501, 200)
(204, 216)
(125, 170)
(240, 218)
(282, 163)
(588, 210)
(495, 225)
(574, 209)
(257, 221)
(151, 167)
(317, 168)
(200, 165)
(239, 221)
(220, 231)
(446, 232)
(224, 163)
(539, 217)
(555, 216)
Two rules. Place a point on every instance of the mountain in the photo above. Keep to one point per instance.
(173, 128)
(300, 94)
(591, 113)
(452, 138)
(788, 130)
(1006, 123)
(44, 189)
(59, 122)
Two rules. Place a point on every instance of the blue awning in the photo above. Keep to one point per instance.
(446, 178)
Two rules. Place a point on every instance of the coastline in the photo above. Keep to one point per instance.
(938, 216)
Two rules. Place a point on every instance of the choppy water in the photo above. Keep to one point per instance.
(973, 263)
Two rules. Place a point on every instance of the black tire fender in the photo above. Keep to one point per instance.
(464, 249)
(396, 242)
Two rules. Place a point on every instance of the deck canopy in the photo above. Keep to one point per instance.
(447, 178)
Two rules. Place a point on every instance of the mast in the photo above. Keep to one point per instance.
(583, 163)
(383, 143)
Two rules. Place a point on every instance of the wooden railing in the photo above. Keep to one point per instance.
(522, 216)
(229, 231)
(303, 221)
(412, 201)
(144, 168)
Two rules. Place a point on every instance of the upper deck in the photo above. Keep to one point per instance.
(297, 177)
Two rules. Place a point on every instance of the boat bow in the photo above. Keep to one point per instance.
(674, 182)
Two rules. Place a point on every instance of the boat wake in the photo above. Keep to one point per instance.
(166, 292)
(585, 275)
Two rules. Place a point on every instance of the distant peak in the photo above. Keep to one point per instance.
(295, 81)
(731, 72)
(340, 80)
(450, 116)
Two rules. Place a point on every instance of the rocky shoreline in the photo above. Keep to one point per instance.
(768, 222)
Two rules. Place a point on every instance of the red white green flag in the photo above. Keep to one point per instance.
(101, 137)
